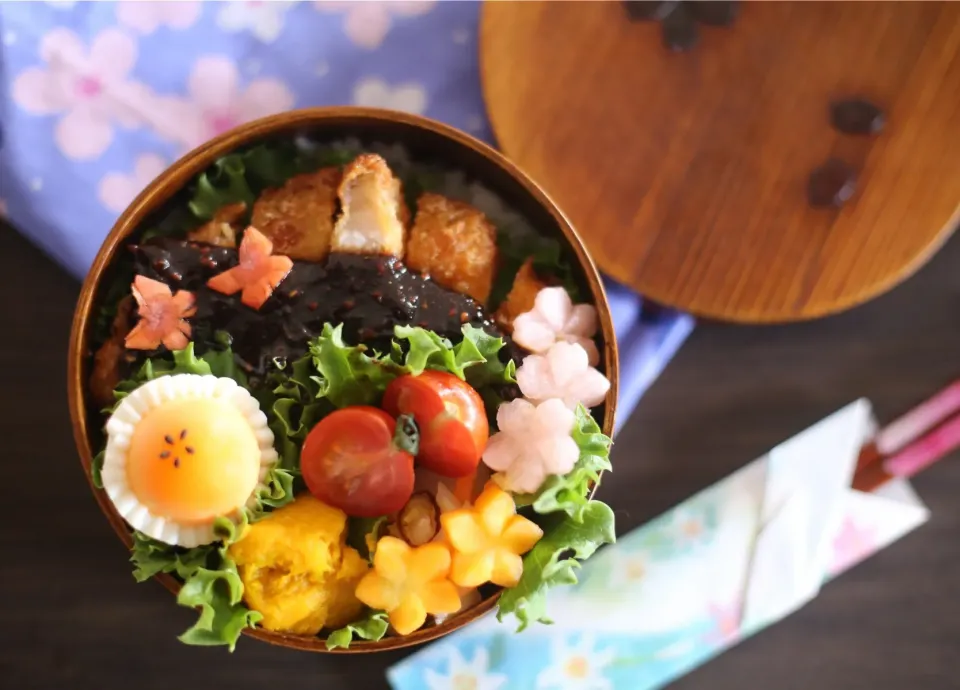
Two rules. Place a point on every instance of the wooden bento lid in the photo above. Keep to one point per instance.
(686, 173)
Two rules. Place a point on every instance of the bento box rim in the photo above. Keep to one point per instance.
(174, 178)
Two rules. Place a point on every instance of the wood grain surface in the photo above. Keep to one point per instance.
(74, 619)
(686, 173)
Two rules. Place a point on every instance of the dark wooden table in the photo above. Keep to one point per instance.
(73, 618)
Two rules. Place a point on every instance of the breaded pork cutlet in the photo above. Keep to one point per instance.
(373, 217)
(454, 244)
(222, 229)
(521, 297)
(106, 360)
(298, 217)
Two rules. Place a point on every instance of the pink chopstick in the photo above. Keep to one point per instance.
(926, 451)
(896, 435)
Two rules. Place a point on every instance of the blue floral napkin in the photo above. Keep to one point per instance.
(98, 98)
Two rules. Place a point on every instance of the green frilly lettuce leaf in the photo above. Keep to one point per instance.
(335, 374)
(475, 359)
(242, 175)
(555, 560)
(224, 183)
(371, 627)
(574, 526)
(218, 593)
(569, 493)
(152, 557)
(350, 374)
(211, 584)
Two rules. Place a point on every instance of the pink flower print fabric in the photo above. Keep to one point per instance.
(87, 87)
(117, 190)
(264, 20)
(147, 17)
(367, 23)
(94, 89)
(217, 101)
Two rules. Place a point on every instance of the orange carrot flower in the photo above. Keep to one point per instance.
(162, 316)
(488, 540)
(257, 274)
(409, 583)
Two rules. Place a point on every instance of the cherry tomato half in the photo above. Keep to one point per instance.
(351, 461)
(450, 414)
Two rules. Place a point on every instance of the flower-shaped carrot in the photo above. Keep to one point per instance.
(554, 318)
(257, 274)
(162, 315)
(409, 583)
(488, 540)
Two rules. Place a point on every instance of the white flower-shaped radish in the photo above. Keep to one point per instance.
(555, 318)
(562, 372)
(533, 443)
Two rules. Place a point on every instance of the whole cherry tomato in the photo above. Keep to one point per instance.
(451, 418)
(358, 459)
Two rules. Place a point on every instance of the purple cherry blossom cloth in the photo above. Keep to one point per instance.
(98, 98)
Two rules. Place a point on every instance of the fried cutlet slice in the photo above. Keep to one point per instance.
(106, 360)
(521, 297)
(455, 244)
(298, 217)
(373, 217)
(222, 229)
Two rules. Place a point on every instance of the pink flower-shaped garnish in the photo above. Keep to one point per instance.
(257, 274)
(533, 443)
(562, 372)
(555, 318)
(162, 316)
